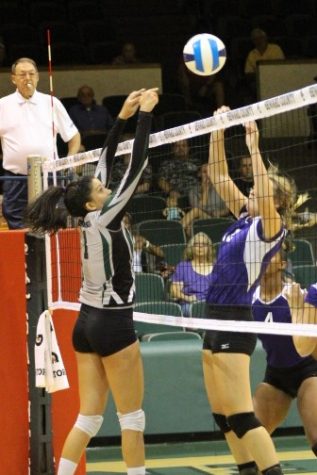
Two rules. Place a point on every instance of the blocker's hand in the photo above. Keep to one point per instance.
(131, 104)
(149, 99)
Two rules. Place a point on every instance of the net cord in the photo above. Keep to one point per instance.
(259, 110)
(272, 328)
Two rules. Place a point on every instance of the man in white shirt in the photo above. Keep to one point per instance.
(27, 121)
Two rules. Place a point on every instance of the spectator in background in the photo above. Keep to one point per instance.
(146, 255)
(173, 212)
(128, 55)
(191, 279)
(179, 172)
(244, 179)
(26, 129)
(263, 50)
(202, 93)
(204, 201)
(120, 167)
(89, 117)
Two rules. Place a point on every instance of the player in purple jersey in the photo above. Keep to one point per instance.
(288, 375)
(245, 250)
(304, 310)
(107, 352)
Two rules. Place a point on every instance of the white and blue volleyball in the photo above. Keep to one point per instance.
(204, 54)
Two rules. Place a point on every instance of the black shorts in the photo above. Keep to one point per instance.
(103, 331)
(229, 342)
(290, 379)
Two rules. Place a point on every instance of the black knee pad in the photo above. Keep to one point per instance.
(314, 449)
(249, 468)
(243, 422)
(276, 470)
(221, 422)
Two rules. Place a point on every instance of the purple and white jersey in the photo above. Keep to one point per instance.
(242, 259)
(280, 349)
(311, 296)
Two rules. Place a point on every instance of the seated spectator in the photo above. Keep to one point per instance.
(244, 177)
(89, 117)
(172, 212)
(204, 201)
(128, 55)
(120, 166)
(263, 50)
(179, 172)
(147, 256)
(202, 93)
(191, 279)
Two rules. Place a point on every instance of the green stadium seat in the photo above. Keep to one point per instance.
(145, 207)
(197, 310)
(213, 227)
(162, 231)
(170, 336)
(305, 275)
(303, 253)
(158, 308)
(148, 287)
(173, 253)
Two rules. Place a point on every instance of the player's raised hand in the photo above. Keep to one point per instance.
(251, 136)
(149, 99)
(131, 104)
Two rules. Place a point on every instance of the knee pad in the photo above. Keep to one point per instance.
(243, 422)
(89, 424)
(314, 449)
(276, 470)
(221, 422)
(249, 468)
(132, 421)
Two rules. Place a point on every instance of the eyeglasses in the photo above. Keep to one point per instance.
(24, 75)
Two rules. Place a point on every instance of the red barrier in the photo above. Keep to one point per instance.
(65, 404)
(14, 447)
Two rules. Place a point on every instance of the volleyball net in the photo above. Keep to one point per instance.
(287, 138)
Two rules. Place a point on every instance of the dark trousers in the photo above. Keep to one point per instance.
(15, 198)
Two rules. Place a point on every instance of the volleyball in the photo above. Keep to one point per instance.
(204, 54)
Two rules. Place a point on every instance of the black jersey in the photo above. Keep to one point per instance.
(106, 245)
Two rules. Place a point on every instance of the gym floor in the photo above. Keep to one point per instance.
(198, 458)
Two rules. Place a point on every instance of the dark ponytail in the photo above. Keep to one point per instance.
(49, 212)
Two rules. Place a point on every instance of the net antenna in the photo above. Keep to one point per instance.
(50, 75)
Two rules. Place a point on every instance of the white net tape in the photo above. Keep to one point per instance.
(272, 328)
(260, 110)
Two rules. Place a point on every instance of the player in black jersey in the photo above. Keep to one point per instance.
(107, 351)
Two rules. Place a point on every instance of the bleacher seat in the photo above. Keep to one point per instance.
(197, 310)
(144, 207)
(161, 231)
(305, 275)
(69, 102)
(171, 336)
(158, 308)
(148, 287)
(173, 253)
(303, 253)
(213, 227)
